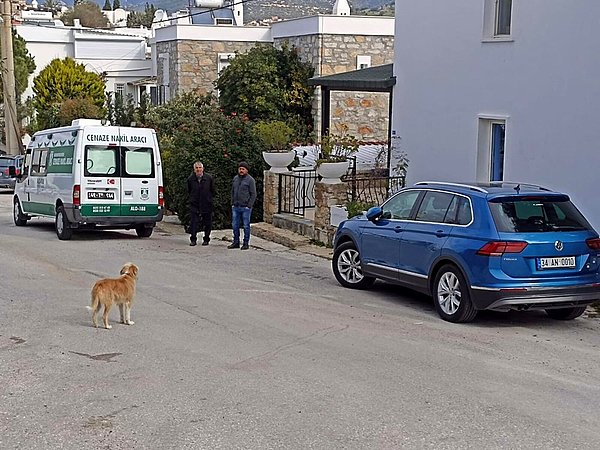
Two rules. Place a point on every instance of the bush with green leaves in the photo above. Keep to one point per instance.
(193, 128)
(275, 135)
(64, 79)
(269, 83)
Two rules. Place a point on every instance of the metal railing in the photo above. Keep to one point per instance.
(297, 191)
(372, 189)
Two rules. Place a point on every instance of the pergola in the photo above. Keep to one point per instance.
(371, 79)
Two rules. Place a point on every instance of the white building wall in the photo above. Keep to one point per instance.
(544, 81)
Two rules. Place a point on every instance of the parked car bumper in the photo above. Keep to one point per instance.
(534, 297)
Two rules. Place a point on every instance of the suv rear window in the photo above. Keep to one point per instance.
(536, 214)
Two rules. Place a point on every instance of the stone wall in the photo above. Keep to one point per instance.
(327, 195)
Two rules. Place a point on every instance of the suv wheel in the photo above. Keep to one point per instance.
(18, 216)
(63, 230)
(451, 296)
(347, 267)
(566, 313)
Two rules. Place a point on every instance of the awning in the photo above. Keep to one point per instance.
(371, 79)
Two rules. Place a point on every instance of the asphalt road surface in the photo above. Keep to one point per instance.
(262, 349)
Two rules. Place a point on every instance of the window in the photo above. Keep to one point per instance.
(224, 59)
(363, 61)
(39, 161)
(434, 206)
(400, 206)
(503, 16)
(497, 151)
(101, 160)
(459, 212)
(119, 89)
(491, 149)
(138, 162)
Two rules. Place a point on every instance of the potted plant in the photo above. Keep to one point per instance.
(333, 158)
(275, 135)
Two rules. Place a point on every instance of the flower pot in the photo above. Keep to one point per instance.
(279, 161)
(332, 171)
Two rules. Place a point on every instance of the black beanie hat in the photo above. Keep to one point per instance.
(244, 164)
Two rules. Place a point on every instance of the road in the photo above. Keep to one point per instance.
(262, 349)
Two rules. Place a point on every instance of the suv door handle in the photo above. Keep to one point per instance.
(398, 229)
(441, 233)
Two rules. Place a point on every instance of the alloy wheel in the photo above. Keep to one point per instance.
(448, 293)
(349, 266)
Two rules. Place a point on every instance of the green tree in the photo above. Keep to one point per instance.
(116, 4)
(193, 127)
(120, 111)
(107, 6)
(269, 83)
(78, 108)
(24, 66)
(64, 79)
(88, 13)
(136, 19)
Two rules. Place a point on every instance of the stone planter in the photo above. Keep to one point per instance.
(332, 171)
(279, 161)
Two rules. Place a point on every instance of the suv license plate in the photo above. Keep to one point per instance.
(556, 263)
(100, 195)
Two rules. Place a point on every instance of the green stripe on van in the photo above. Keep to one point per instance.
(119, 210)
(46, 209)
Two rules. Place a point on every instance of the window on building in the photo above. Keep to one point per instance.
(120, 89)
(503, 17)
(491, 149)
(223, 61)
(363, 61)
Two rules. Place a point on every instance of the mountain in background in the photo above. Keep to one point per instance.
(265, 9)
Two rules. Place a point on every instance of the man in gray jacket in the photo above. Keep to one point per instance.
(243, 196)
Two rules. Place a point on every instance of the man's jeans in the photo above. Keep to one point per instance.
(240, 213)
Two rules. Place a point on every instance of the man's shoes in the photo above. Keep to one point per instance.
(245, 247)
(205, 243)
(233, 245)
(192, 243)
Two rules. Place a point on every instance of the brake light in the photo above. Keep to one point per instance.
(5, 171)
(594, 244)
(161, 196)
(498, 248)
(76, 195)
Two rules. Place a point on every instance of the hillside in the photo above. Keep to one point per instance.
(261, 9)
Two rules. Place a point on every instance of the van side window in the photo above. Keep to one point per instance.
(101, 160)
(138, 162)
(39, 162)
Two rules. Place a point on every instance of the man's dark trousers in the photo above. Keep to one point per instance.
(200, 221)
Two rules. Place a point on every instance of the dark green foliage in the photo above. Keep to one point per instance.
(116, 4)
(120, 111)
(24, 66)
(107, 6)
(135, 18)
(192, 127)
(268, 83)
(77, 108)
(88, 13)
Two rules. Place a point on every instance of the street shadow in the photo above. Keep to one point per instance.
(402, 296)
(84, 234)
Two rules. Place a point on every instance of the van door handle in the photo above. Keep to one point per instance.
(144, 181)
(398, 229)
(441, 233)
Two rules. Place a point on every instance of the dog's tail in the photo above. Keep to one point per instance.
(95, 299)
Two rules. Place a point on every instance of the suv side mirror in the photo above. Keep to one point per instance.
(374, 213)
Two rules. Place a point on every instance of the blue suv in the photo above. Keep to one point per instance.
(496, 246)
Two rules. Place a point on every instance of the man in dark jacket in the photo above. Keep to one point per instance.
(201, 188)
(243, 196)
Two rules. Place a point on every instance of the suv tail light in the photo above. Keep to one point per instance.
(76, 195)
(5, 171)
(498, 248)
(161, 196)
(594, 244)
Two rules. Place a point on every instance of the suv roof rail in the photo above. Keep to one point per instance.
(527, 185)
(445, 183)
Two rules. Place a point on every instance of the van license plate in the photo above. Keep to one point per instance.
(99, 195)
(556, 263)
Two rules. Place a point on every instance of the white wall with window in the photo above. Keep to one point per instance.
(462, 86)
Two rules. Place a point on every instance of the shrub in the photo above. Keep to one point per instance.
(275, 135)
(192, 127)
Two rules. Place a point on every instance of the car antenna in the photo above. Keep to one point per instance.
(518, 188)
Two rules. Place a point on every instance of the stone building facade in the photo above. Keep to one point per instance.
(190, 59)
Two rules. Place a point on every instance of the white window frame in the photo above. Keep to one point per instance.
(223, 61)
(120, 89)
(363, 61)
(491, 17)
(484, 144)
(497, 18)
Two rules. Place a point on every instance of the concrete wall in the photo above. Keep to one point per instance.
(542, 80)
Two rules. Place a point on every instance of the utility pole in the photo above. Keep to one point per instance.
(13, 143)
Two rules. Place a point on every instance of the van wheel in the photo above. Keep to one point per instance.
(451, 296)
(143, 232)
(63, 230)
(18, 216)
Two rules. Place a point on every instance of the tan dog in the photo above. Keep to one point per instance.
(115, 290)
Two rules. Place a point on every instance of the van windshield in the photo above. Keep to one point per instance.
(119, 161)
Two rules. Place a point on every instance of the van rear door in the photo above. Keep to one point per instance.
(139, 178)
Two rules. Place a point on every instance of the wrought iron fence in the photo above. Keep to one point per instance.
(372, 189)
(297, 191)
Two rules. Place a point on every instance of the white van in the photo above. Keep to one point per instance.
(89, 174)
